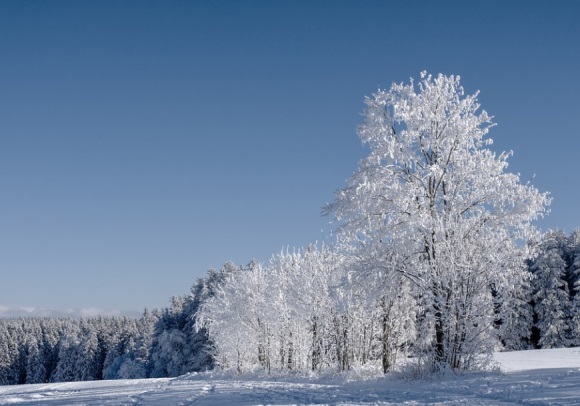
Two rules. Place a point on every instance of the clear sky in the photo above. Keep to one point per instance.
(144, 142)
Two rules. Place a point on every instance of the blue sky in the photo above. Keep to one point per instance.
(144, 142)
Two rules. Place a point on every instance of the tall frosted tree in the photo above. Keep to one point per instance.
(433, 195)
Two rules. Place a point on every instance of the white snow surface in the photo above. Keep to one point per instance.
(540, 377)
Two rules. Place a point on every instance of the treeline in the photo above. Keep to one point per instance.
(316, 310)
(58, 350)
(305, 311)
(161, 343)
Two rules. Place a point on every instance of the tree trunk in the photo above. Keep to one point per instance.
(315, 346)
(439, 338)
(345, 356)
(290, 351)
(386, 348)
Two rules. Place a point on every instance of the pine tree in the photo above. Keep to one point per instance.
(515, 326)
(86, 365)
(550, 293)
(68, 358)
(575, 292)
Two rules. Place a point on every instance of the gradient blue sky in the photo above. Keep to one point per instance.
(144, 142)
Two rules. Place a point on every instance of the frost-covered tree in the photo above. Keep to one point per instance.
(86, 364)
(9, 354)
(382, 309)
(570, 246)
(169, 347)
(145, 327)
(550, 296)
(551, 299)
(176, 346)
(68, 358)
(125, 356)
(432, 193)
(35, 369)
(314, 333)
(235, 318)
(575, 292)
(516, 320)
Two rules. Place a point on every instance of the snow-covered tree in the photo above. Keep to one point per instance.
(88, 348)
(550, 296)
(31, 347)
(575, 270)
(68, 358)
(176, 346)
(575, 292)
(432, 193)
(382, 310)
(313, 332)
(9, 354)
(515, 324)
(235, 318)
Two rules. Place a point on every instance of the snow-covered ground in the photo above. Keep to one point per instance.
(543, 377)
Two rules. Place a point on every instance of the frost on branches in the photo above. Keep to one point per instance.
(277, 317)
(433, 204)
(301, 313)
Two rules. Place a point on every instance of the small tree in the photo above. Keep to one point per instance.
(432, 193)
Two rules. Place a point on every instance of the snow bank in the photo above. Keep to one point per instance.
(538, 359)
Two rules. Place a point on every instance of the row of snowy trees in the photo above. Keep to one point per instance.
(162, 343)
(53, 350)
(317, 310)
(306, 311)
(302, 313)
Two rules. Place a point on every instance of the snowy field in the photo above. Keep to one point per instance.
(543, 377)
